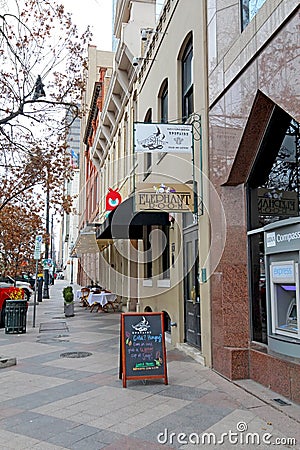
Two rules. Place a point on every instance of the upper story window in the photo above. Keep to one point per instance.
(187, 81)
(163, 108)
(164, 99)
(249, 9)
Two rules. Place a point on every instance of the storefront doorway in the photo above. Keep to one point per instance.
(191, 287)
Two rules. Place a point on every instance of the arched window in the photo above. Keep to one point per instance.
(187, 80)
(163, 98)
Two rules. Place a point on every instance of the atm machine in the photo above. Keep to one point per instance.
(284, 281)
(282, 257)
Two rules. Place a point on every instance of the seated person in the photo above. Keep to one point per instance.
(97, 290)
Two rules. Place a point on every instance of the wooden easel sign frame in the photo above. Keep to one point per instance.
(142, 347)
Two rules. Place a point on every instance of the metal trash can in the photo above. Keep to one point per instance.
(15, 316)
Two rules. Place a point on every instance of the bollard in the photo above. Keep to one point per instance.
(40, 289)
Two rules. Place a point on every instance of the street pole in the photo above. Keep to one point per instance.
(35, 289)
(46, 270)
(72, 262)
(37, 255)
(71, 280)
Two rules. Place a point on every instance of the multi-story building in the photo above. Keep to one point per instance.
(226, 75)
(69, 223)
(96, 77)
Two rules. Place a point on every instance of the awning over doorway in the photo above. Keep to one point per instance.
(124, 223)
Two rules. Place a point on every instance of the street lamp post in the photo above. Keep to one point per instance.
(72, 263)
(39, 92)
(46, 269)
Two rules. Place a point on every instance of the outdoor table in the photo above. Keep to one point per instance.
(101, 299)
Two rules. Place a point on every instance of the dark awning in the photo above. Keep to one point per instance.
(124, 223)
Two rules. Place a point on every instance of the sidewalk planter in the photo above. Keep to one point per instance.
(68, 301)
(15, 316)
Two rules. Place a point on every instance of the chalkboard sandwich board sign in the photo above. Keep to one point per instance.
(143, 350)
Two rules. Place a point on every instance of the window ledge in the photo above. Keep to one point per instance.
(164, 283)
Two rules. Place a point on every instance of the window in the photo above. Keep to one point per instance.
(163, 108)
(187, 82)
(249, 9)
(148, 251)
(166, 254)
(164, 98)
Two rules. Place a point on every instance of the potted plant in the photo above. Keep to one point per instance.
(68, 301)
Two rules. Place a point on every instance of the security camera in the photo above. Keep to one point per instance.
(144, 34)
(135, 62)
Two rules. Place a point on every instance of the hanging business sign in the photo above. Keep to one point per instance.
(164, 197)
(163, 138)
(112, 199)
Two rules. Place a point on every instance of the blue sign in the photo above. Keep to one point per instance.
(283, 272)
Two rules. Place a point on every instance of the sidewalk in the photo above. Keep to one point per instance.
(52, 401)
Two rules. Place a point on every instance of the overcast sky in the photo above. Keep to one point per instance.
(97, 14)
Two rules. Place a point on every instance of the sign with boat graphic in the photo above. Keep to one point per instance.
(143, 351)
(163, 138)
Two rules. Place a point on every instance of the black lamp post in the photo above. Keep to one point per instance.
(38, 89)
(39, 92)
(46, 268)
(71, 262)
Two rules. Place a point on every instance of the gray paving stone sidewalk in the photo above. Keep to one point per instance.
(51, 402)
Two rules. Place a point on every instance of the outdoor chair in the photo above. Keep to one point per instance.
(84, 296)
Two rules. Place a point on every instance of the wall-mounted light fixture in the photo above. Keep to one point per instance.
(145, 33)
(138, 59)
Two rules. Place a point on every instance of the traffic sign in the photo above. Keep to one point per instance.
(38, 245)
(47, 263)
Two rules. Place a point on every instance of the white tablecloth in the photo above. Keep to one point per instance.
(102, 299)
(78, 294)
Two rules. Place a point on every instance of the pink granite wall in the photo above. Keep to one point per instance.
(237, 122)
(281, 376)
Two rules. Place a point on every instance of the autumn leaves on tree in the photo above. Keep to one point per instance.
(41, 60)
